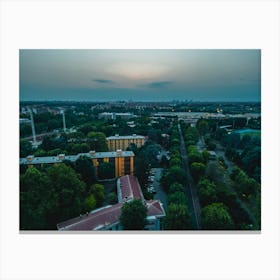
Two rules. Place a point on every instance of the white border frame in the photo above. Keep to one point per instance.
(155, 24)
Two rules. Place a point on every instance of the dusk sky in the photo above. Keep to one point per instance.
(140, 75)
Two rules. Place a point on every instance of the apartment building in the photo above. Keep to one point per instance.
(123, 142)
(123, 161)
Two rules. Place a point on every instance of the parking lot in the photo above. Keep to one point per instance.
(155, 187)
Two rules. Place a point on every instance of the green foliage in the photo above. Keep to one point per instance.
(220, 133)
(55, 152)
(133, 215)
(51, 142)
(175, 161)
(90, 203)
(243, 184)
(194, 155)
(97, 141)
(176, 187)
(207, 192)
(113, 199)
(84, 166)
(25, 148)
(205, 155)
(177, 197)
(173, 175)
(141, 169)
(40, 153)
(69, 189)
(37, 199)
(202, 126)
(216, 217)
(177, 217)
(191, 135)
(25, 130)
(197, 170)
(99, 193)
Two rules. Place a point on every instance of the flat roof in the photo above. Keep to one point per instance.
(125, 137)
(73, 158)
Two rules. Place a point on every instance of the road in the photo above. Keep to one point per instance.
(38, 136)
(220, 153)
(190, 187)
(160, 193)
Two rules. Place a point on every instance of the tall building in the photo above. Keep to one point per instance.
(123, 142)
(123, 161)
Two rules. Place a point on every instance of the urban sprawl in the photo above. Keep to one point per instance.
(140, 166)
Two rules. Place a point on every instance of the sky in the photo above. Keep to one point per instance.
(140, 75)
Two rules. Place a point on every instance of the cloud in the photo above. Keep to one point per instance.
(103, 81)
(160, 84)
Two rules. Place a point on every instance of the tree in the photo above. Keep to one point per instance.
(177, 198)
(177, 217)
(175, 161)
(37, 199)
(70, 191)
(113, 199)
(25, 148)
(202, 126)
(176, 187)
(97, 141)
(192, 134)
(175, 174)
(99, 193)
(106, 170)
(197, 169)
(133, 215)
(216, 217)
(90, 203)
(205, 155)
(141, 169)
(207, 192)
(195, 157)
(85, 167)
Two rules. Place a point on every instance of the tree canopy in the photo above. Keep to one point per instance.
(133, 215)
(177, 217)
(216, 216)
(97, 141)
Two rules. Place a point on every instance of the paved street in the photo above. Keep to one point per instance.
(160, 194)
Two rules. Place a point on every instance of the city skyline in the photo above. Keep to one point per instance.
(140, 75)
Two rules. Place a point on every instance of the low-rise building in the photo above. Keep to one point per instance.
(108, 217)
(113, 116)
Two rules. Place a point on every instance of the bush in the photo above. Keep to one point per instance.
(113, 199)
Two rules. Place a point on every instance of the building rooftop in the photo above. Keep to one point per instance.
(129, 188)
(102, 218)
(155, 208)
(125, 137)
(96, 219)
(60, 158)
(107, 216)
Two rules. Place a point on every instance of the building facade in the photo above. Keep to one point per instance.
(114, 116)
(122, 142)
(123, 161)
